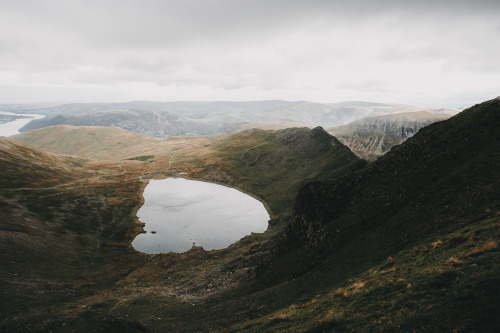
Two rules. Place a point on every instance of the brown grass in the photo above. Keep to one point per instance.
(487, 246)
(436, 244)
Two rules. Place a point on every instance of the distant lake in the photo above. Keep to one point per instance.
(179, 212)
(13, 126)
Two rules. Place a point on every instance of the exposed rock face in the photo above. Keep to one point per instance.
(372, 137)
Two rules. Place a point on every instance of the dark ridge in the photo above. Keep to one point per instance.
(442, 179)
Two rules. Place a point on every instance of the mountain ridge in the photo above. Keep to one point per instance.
(437, 188)
(408, 242)
(372, 137)
(201, 118)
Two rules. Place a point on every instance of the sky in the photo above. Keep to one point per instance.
(430, 53)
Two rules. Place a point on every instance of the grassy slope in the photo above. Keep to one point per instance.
(94, 211)
(89, 141)
(271, 165)
(411, 242)
(275, 164)
(57, 215)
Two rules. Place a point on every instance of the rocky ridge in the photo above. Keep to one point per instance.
(372, 137)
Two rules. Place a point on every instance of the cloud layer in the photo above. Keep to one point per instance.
(392, 51)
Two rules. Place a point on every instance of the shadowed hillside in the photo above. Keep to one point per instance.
(407, 243)
(410, 242)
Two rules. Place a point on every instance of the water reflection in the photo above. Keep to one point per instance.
(179, 212)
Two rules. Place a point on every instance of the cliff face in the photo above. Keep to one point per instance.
(372, 137)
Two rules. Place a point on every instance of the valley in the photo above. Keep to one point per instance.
(407, 242)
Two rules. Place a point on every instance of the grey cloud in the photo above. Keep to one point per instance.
(236, 44)
(154, 22)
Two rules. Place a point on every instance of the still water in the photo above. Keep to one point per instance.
(13, 127)
(179, 213)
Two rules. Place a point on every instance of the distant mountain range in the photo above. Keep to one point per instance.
(371, 137)
(162, 119)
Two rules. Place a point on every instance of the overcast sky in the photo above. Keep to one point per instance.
(432, 53)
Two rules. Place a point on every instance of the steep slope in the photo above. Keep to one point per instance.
(409, 243)
(374, 136)
(276, 163)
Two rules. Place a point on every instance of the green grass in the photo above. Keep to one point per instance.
(273, 165)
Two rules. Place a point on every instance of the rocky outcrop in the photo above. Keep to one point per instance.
(372, 137)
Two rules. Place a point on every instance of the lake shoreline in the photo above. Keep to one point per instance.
(180, 213)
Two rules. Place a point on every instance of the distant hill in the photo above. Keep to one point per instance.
(372, 137)
(24, 166)
(163, 119)
(90, 141)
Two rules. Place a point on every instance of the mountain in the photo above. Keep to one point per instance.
(162, 119)
(93, 142)
(26, 167)
(372, 137)
(152, 123)
(66, 238)
(406, 243)
(262, 161)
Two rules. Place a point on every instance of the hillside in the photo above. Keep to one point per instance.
(269, 164)
(372, 137)
(162, 119)
(406, 243)
(94, 142)
(85, 221)
(147, 122)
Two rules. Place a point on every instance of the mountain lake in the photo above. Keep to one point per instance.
(180, 213)
(13, 124)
